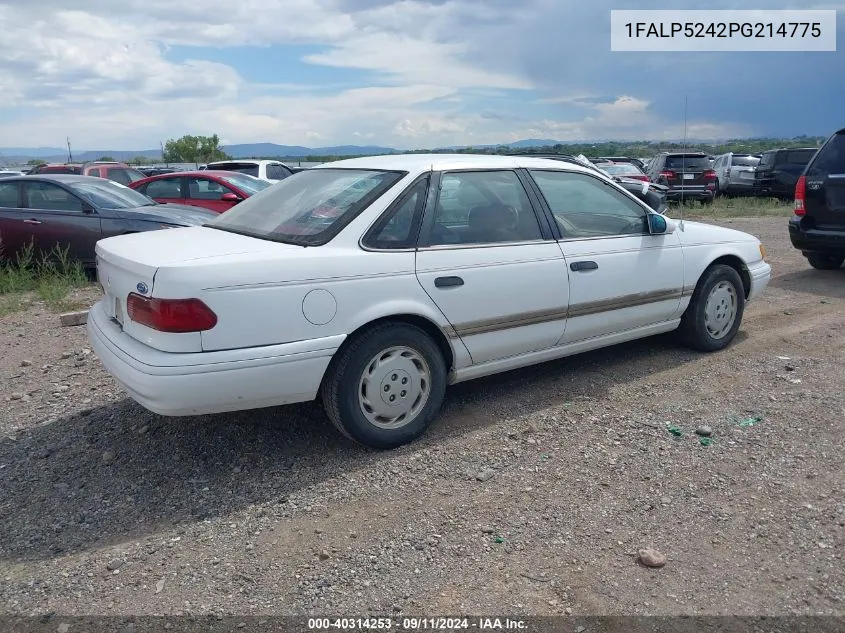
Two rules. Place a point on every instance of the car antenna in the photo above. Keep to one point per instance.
(683, 163)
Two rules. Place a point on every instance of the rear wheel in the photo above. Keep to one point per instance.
(825, 262)
(386, 387)
(717, 191)
(714, 314)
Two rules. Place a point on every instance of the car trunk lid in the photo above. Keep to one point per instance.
(129, 264)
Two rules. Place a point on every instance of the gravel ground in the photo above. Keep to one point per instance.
(532, 495)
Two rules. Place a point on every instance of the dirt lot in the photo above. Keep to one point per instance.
(106, 508)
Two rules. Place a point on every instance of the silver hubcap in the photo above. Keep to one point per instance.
(394, 387)
(720, 309)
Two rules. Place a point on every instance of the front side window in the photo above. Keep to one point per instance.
(483, 207)
(585, 207)
(399, 225)
(46, 195)
(165, 188)
(309, 208)
(206, 189)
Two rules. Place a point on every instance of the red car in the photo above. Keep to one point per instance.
(214, 190)
(624, 170)
(119, 172)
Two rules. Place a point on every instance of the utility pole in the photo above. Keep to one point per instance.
(69, 153)
(161, 145)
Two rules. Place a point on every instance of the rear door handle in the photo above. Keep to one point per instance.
(32, 221)
(582, 266)
(448, 282)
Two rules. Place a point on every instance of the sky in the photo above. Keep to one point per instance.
(404, 74)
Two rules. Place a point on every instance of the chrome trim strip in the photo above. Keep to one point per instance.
(522, 319)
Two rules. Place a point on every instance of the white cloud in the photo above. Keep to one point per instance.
(104, 76)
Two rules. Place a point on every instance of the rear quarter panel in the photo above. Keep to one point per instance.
(257, 305)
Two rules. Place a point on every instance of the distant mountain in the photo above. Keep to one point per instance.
(250, 150)
(32, 152)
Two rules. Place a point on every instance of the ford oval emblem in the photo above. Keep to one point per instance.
(141, 287)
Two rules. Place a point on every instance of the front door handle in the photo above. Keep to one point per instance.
(582, 266)
(32, 221)
(448, 282)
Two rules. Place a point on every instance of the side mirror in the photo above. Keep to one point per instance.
(660, 224)
(87, 208)
(230, 197)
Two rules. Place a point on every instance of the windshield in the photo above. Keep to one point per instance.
(308, 208)
(125, 175)
(246, 183)
(107, 194)
(687, 162)
(250, 169)
(621, 170)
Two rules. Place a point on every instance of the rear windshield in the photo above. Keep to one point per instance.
(61, 169)
(745, 161)
(830, 159)
(250, 169)
(309, 207)
(621, 169)
(246, 183)
(687, 162)
(125, 175)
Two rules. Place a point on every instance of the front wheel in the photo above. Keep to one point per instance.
(386, 387)
(825, 262)
(714, 314)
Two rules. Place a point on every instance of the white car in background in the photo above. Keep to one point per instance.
(376, 282)
(269, 170)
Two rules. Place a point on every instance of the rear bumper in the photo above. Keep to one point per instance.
(177, 384)
(816, 240)
(760, 275)
(676, 194)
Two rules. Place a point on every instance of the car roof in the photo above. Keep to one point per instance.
(198, 173)
(248, 161)
(416, 163)
(66, 178)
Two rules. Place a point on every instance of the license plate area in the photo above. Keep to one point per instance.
(689, 176)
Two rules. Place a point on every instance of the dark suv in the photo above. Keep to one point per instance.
(689, 175)
(817, 227)
(778, 171)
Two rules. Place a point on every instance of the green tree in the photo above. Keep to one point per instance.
(35, 161)
(141, 160)
(193, 149)
(106, 159)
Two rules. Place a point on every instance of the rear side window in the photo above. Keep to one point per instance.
(799, 157)
(745, 161)
(399, 225)
(687, 162)
(767, 158)
(830, 159)
(9, 194)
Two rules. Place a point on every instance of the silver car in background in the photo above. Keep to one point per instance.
(735, 173)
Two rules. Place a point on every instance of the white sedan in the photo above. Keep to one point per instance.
(375, 282)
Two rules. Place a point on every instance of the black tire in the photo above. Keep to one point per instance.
(825, 262)
(340, 388)
(717, 191)
(693, 329)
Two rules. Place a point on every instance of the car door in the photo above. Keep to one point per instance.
(491, 265)
(59, 219)
(14, 233)
(208, 193)
(620, 276)
(166, 190)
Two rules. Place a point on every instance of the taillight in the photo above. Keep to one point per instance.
(800, 196)
(177, 316)
(709, 175)
(667, 173)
